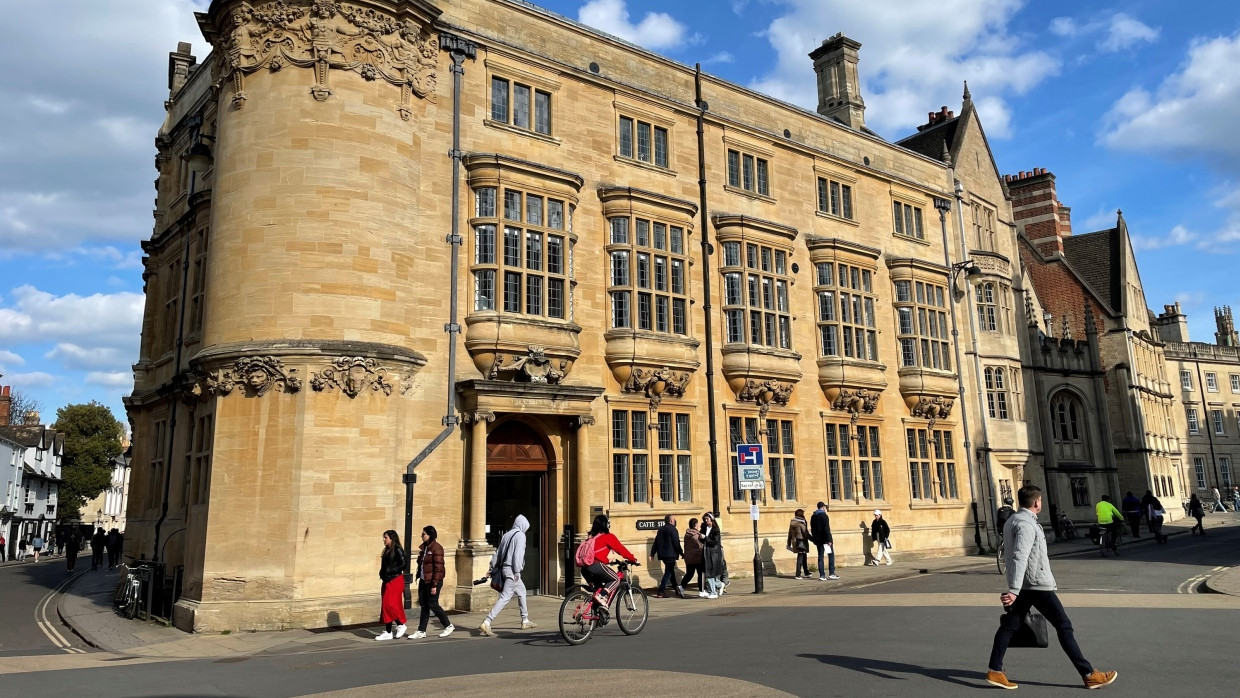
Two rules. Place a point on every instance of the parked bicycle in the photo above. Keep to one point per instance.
(1065, 527)
(132, 589)
(584, 609)
(999, 558)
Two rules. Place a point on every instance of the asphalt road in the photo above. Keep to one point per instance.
(928, 636)
(26, 602)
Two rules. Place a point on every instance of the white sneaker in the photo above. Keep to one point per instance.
(834, 576)
(822, 579)
(874, 562)
(385, 635)
(800, 577)
(400, 631)
(485, 629)
(418, 635)
(889, 562)
(528, 624)
(702, 594)
(712, 596)
(447, 631)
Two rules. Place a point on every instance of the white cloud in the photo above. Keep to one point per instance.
(1178, 235)
(1190, 299)
(10, 359)
(34, 379)
(1064, 26)
(738, 6)
(656, 31)
(117, 379)
(1125, 32)
(1193, 112)
(75, 357)
(102, 319)
(721, 57)
(906, 70)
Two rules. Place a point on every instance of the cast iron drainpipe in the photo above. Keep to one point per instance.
(459, 49)
(706, 307)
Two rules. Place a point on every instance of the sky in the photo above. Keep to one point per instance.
(1131, 105)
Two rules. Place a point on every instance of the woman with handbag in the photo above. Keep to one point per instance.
(798, 542)
(392, 572)
(1154, 514)
(712, 556)
(880, 533)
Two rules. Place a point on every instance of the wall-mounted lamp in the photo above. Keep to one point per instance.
(199, 157)
(972, 273)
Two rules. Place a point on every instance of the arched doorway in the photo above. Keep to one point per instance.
(518, 459)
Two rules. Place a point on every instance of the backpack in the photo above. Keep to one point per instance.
(586, 552)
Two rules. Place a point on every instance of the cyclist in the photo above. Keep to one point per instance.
(1111, 519)
(599, 574)
(1003, 514)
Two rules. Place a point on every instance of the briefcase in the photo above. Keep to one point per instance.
(1031, 633)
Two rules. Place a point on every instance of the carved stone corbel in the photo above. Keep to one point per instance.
(255, 375)
(353, 375)
(477, 416)
(533, 367)
(656, 384)
(763, 393)
(933, 408)
(583, 420)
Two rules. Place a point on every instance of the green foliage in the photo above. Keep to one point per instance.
(92, 439)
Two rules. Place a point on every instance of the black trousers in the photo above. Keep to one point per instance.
(669, 576)
(96, 556)
(1048, 605)
(430, 604)
(698, 568)
(1134, 523)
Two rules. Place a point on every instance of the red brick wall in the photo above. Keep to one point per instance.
(1060, 292)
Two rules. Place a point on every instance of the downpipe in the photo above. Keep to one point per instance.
(707, 249)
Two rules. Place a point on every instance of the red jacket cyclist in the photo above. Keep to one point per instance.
(599, 574)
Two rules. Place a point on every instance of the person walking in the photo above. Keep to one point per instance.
(820, 535)
(1002, 514)
(1030, 584)
(391, 572)
(72, 546)
(1218, 501)
(97, 545)
(693, 557)
(4, 550)
(712, 554)
(22, 544)
(430, 583)
(1235, 499)
(667, 549)
(113, 546)
(880, 533)
(798, 542)
(1131, 507)
(1154, 514)
(36, 544)
(507, 563)
(1197, 511)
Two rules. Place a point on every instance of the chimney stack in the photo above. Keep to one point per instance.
(179, 63)
(839, 88)
(1172, 324)
(1037, 211)
(6, 405)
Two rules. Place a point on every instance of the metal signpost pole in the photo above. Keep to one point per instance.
(757, 558)
(750, 462)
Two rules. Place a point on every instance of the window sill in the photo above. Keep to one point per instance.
(521, 131)
(910, 238)
(835, 505)
(837, 219)
(951, 504)
(737, 507)
(645, 165)
(749, 194)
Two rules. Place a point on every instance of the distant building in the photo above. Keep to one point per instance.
(30, 461)
(107, 511)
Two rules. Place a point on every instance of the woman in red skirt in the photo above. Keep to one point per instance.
(392, 571)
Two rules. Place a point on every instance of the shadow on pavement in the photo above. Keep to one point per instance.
(884, 670)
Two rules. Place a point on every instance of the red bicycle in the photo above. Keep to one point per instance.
(583, 610)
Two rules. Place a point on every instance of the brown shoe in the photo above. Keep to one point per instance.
(1098, 679)
(998, 678)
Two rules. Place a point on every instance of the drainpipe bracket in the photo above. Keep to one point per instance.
(452, 328)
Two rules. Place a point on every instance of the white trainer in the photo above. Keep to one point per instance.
(528, 624)
(400, 631)
(485, 629)
(418, 635)
(702, 594)
(447, 631)
(712, 596)
(385, 635)
(834, 576)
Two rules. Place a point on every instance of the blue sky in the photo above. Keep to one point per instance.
(1132, 105)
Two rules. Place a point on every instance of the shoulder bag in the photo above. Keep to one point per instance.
(1031, 633)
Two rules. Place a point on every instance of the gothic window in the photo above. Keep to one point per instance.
(996, 392)
(1068, 427)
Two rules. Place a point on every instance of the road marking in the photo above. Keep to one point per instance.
(989, 599)
(45, 623)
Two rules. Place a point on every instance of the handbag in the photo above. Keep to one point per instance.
(801, 546)
(887, 544)
(497, 582)
(1031, 633)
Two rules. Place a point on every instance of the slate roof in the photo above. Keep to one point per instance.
(24, 435)
(930, 141)
(1095, 256)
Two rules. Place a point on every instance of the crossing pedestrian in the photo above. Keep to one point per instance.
(4, 551)
(1131, 508)
(880, 533)
(1030, 584)
(430, 583)
(693, 557)
(667, 550)
(22, 545)
(392, 591)
(1197, 511)
(36, 544)
(1154, 514)
(506, 564)
(798, 542)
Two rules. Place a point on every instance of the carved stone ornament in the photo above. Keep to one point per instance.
(255, 375)
(856, 401)
(324, 35)
(353, 375)
(933, 408)
(656, 384)
(477, 417)
(763, 393)
(532, 367)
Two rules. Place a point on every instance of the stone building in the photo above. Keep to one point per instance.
(456, 253)
(1108, 418)
(1208, 384)
(107, 510)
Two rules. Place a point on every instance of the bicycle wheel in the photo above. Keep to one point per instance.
(632, 610)
(577, 615)
(999, 559)
(131, 602)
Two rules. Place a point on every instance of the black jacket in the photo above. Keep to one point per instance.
(392, 565)
(880, 531)
(820, 528)
(667, 543)
(1002, 515)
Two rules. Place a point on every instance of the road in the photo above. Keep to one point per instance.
(1139, 614)
(30, 624)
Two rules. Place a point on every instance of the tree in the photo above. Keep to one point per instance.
(92, 439)
(21, 405)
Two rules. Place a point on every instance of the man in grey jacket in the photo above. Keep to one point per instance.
(1030, 584)
(507, 563)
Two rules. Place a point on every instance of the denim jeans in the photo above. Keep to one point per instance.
(669, 576)
(822, 550)
(1048, 604)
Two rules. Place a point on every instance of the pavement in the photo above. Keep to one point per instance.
(84, 605)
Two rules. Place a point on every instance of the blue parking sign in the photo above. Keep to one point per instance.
(750, 459)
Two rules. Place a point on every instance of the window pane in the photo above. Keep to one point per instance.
(639, 430)
(734, 168)
(620, 309)
(499, 100)
(620, 477)
(555, 298)
(640, 477)
(847, 199)
(731, 254)
(555, 254)
(620, 268)
(484, 202)
(533, 251)
(521, 106)
(512, 205)
(542, 112)
(747, 172)
(684, 481)
(626, 137)
(764, 179)
(555, 214)
(643, 270)
(660, 236)
(484, 290)
(665, 431)
(620, 429)
(660, 147)
(533, 209)
(512, 292)
(619, 231)
(644, 318)
(678, 240)
(667, 478)
(678, 316)
(641, 232)
(678, 276)
(643, 141)
(682, 432)
(484, 244)
(533, 294)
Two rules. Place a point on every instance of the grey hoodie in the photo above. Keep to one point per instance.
(509, 557)
(1025, 554)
